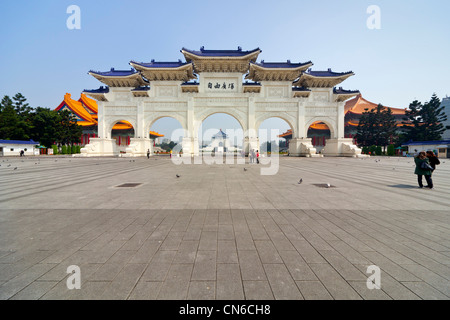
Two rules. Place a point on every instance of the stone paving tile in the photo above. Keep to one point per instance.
(13, 286)
(281, 282)
(145, 290)
(342, 265)
(257, 290)
(334, 283)
(217, 233)
(229, 282)
(297, 267)
(313, 290)
(205, 266)
(202, 290)
(367, 294)
(267, 252)
(250, 265)
(425, 291)
(227, 252)
(35, 290)
(124, 282)
(176, 285)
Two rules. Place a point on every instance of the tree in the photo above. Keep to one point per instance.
(12, 126)
(68, 131)
(424, 122)
(44, 126)
(376, 127)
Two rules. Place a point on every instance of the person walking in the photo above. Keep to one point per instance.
(148, 154)
(257, 156)
(421, 170)
(433, 159)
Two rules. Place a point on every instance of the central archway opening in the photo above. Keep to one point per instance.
(220, 133)
(166, 133)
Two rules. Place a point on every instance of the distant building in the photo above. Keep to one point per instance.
(85, 110)
(440, 148)
(446, 104)
(14, 147)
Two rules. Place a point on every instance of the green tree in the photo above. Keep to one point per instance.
(44, 126)
(376, 127)
(12, 126)
(68, 131)
(424, 122)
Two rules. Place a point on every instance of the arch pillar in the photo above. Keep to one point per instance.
(338, 145)
(300, 145)
(251, 139)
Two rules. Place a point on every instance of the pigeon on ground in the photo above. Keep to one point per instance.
(15, 168)
(178, 176)
(328, 185)
(9, 165)
(300, 182)
(245, 169)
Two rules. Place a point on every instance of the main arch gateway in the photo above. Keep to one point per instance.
(221, 81)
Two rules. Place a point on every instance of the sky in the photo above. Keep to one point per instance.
(407, 58)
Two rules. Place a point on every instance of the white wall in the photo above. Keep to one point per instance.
(17, 148)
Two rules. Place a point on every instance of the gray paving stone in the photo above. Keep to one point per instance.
(122, 285)
(227, 251)
(267, 252)
(257, 290)
(176, 285)
(425, 291)
(202, 290)
(281, 282)
(145, 290)
(297, 267)
(334, 283)
(34, 291)
(205, 266)
(313, 290)
(250, 265)
(320, 240)
(229, 282)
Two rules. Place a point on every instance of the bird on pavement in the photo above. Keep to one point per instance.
(178, 176)
(245, 169)
(300, 182)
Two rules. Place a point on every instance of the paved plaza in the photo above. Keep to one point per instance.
(222, 232)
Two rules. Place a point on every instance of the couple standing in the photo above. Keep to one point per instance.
(425, 165)
(254, 156)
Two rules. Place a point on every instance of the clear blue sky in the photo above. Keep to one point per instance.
(407, 59)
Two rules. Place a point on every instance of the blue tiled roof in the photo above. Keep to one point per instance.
(420, 143)
(160, 64)
(102, 89)
(246, 83)
(286, 64)
(300, 89)
(221, 53)
(342, 91)
(115, 73)
(31, 142)
(195, 83)
(328, 73)
(220, 135)
(144, 88)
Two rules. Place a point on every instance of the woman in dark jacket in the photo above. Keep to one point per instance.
(434, 161)
(419, 160)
